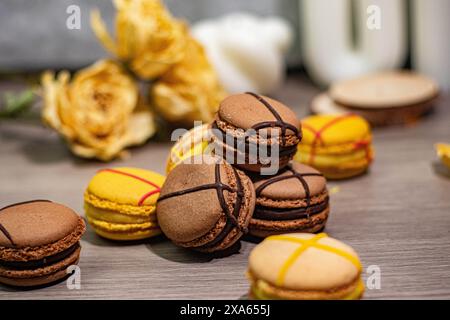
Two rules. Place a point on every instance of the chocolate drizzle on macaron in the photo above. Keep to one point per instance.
(245, 128)
(39, 239)
(206, 207)
(296, 199)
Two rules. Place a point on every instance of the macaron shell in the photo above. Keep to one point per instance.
(36, 224)
(117, 217)
(291, 188)
(40, 276)
(244, 111)
(127, 235)
(43, 251)
(126, 186)
(314, 269)
(339, 129)
(264, 228)
(192, 143)
(384, 89)
(357, 158)
(261, 290)
(203, 206)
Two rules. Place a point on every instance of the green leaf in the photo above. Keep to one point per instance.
(15, 104)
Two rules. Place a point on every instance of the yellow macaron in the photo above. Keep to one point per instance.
(120, 203)
(443, 151)
(192, 143)
(340, 146)
(304, 266)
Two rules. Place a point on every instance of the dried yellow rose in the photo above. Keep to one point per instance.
(148, 39)
(98, 112)
(190, 90)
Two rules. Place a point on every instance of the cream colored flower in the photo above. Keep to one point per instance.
(98, 112)
(190, 90)
(148, 39)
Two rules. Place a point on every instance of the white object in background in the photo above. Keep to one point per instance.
(248, 52)
(431, 40)
(328, 53)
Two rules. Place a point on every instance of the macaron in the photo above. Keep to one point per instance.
(339, 146)
(206, 205)
(294, 200)
(304, 266)
(120, 203)
(39, 240)
(192, 143)
(382, 98)
(443, 152)
(253, 132)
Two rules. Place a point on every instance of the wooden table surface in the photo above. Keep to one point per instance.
(397, 217)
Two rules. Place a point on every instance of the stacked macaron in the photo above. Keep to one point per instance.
(260, 190)
(252, 132)
(39, 240)
(120, 203)
(206, 205)
(339, 146)
(250, 185)
(295, 199)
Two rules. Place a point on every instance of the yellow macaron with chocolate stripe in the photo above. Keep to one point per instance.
(304, 266)
(443, 151)
(120, 203)
(193, 142)
(339, 146)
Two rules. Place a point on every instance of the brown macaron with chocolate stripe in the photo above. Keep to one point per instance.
(252, 131)
(39, 239)
(205, 204)
(294, 200)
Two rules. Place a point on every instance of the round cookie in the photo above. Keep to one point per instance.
(120, 203)
(205, 205)
(192, 143)
(294, 200)
(254, 132)
(383, 98)
(39, 239)
(303, 266)
(339, 146)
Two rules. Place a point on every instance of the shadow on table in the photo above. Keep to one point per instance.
(165, 249)
(35, 143)
(440, 169)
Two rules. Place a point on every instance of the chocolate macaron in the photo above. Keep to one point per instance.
(294, 200)
(38, 240)
(253, 132)
(205, 205)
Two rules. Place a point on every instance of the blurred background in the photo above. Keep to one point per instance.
(173, 61)
(414, 33)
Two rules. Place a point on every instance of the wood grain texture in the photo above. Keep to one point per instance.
(396, 217)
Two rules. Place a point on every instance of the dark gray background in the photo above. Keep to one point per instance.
(33, 34)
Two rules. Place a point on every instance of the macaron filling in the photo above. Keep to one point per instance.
(258, 292)
(270, 213)
(41, 263)
(244, 145)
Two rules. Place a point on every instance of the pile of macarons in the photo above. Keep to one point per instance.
(220, 188)
(210, 200)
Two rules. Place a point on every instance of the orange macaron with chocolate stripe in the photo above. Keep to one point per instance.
(120, 203)
(304, 266)
(339, 146)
